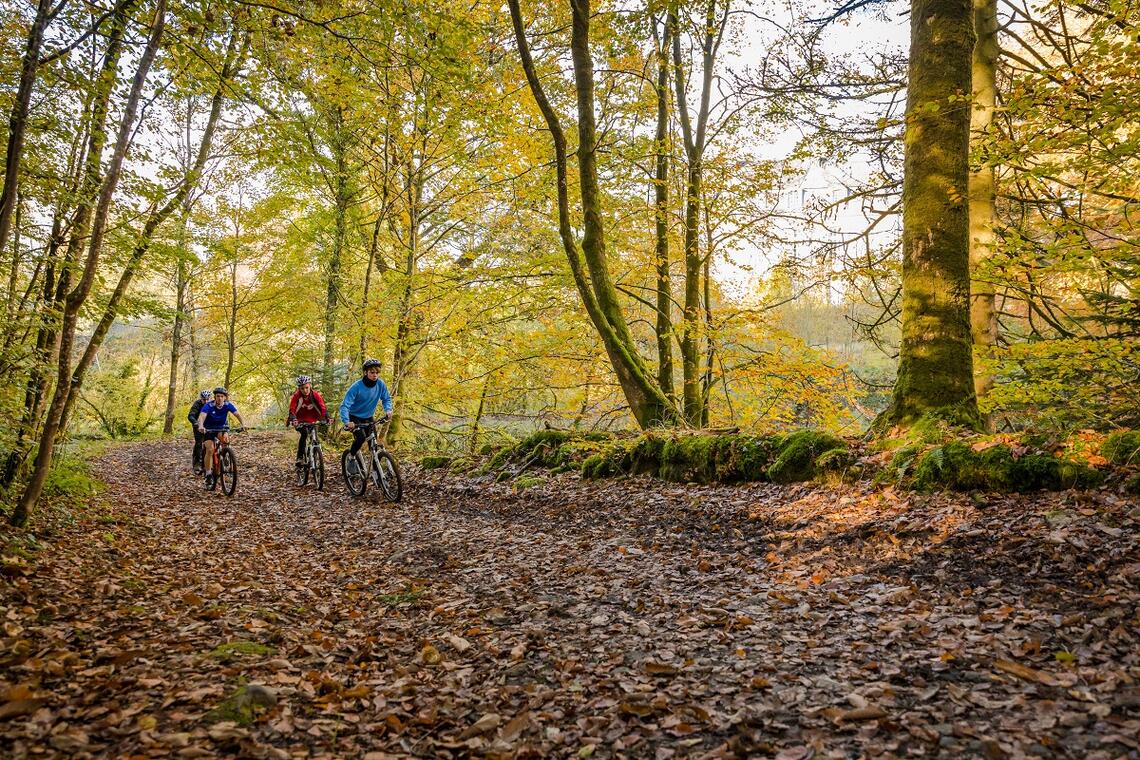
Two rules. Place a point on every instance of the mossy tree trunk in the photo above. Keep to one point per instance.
(664, 325)
(983, 314)
(936, 370)
(587, 259)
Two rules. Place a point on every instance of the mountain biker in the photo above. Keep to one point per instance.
(195, 409)
(307, 407)
(359, 405)
(211, 420)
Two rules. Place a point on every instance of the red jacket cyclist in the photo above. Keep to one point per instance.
(306, 408)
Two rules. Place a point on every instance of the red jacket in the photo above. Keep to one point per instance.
(311, 409)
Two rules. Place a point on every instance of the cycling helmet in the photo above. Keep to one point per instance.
(222, 391)
(205, 395)
(304, 380)
(369, 364)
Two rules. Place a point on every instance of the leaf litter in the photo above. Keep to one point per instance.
(627, 618)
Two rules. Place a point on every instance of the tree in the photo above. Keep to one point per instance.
(935, 357)
(587, 258)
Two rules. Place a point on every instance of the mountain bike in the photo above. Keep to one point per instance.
(312, 467)
(225, 463)
(379, 468)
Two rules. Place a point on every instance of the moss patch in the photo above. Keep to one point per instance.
(236, 648)
(1122, 448)
(958, 466)
(244, 705)
(798, 455)
(435, 462)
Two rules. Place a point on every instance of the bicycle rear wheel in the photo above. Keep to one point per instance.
(390, 482)
(316, 467)
(228, 474)
(352, 467)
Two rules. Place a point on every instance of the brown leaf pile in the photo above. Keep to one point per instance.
(613, 619)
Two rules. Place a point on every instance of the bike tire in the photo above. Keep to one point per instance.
(318, 468)
(228, 475)
(356, 484)
(390, 482)
(302, 473)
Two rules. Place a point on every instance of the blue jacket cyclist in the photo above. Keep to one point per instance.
(211, 420)
(359, 405)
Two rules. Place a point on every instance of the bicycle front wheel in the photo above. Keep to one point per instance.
(228, 474)
(389, 473)
(317, 467)
(302, 472)
(355, 479)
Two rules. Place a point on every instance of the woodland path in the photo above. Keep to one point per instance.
(623, 618)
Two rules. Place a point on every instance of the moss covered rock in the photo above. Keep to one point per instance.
(797, 455)
(435, 462)
(686, 458)
(958, 466)
(1122, 448)
(742, 458)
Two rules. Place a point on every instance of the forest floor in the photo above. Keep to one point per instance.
(629, 618)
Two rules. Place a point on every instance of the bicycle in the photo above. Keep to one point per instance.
(313, 465)
(225, 463)
(380, 469)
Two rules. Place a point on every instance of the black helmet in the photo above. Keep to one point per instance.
(221, 390)
(369, 364)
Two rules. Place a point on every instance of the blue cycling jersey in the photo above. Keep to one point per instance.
(361, 401)
(216, 415)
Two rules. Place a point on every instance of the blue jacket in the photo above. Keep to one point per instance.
(360, 401)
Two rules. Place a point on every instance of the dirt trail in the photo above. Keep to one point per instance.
(624, 618)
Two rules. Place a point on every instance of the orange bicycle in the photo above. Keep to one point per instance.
(225, 463)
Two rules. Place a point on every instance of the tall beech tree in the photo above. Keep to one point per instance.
(587, 257)
(936, 369)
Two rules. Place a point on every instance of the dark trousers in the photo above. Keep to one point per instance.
(198, 438)
(358, 435)
(304, 431)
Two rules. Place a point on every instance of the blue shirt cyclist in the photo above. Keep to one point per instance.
(361, 400)
(211, 420)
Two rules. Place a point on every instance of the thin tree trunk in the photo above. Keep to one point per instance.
(664, 325)
(334, 265)
(402, 353)
(936, 373)
(983, 314)
(479, 413)
(18, 119)
(695, 142)
(649, 405)
(175, 347)
(76, 298)
(231, 328)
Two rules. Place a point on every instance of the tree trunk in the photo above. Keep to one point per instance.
(983, 314)
(664, 325)
(231, 327)
(181, 284)
(649, 405)
(695, 143)
(76, 298)
(18, 120)
(334, 266)
(935, 357)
